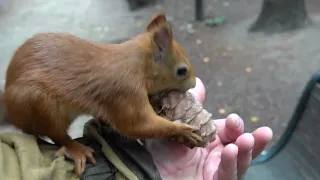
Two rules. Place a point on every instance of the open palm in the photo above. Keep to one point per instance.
(227, 158)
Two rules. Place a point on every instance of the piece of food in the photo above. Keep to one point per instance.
(184, 108)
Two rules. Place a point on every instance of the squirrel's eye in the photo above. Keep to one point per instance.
(181, 70)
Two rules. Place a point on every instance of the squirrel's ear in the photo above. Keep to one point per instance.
(161, 36)
(161, 44)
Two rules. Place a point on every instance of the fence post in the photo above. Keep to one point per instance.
(199, 10)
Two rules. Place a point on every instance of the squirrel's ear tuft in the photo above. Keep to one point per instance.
(157, 21)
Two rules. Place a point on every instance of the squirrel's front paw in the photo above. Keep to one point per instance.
(187, 135)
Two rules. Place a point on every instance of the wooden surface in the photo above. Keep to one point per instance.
(300, 159)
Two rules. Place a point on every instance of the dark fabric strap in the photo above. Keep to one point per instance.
(131, 153)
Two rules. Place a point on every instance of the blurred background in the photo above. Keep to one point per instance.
(252, 61)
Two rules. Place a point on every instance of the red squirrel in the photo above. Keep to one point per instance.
(54, 77)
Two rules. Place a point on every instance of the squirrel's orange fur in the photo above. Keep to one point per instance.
(54, 77)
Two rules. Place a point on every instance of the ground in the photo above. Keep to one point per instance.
(257, 76)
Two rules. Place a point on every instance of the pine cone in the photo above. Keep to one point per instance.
(182, 107)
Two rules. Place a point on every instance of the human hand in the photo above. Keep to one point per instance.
(227, 158)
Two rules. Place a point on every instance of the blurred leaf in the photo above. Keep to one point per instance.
(190, 28)
(254, 119)
(198, 41)
(206, 59)
(216, 21)
(139, 24)
(222, 111)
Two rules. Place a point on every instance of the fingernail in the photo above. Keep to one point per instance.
(235, 121)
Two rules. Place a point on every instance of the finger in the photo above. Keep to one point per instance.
(227, 169)
(199, 91)
(245, 145)
(230, 129)
(262, 136)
